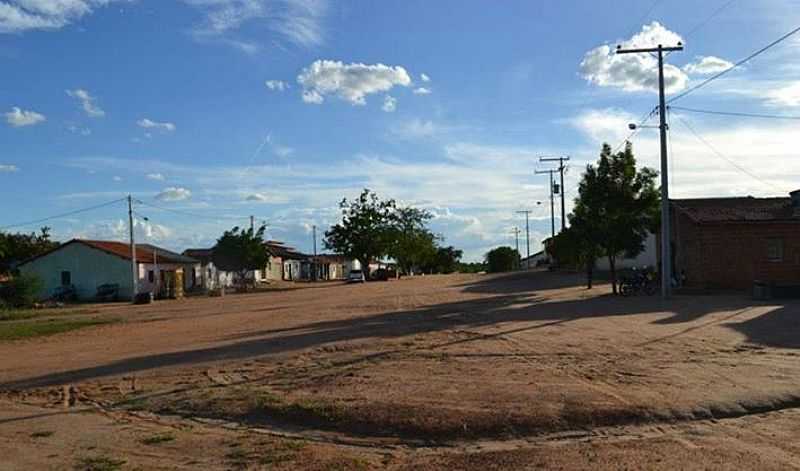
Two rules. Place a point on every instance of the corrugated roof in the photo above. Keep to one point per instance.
(203, 255)
(282, 251)
(742, 209)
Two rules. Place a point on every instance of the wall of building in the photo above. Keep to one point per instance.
(88, 267)
(734, 255)
(648, 257)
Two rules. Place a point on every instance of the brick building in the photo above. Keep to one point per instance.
(731, 242)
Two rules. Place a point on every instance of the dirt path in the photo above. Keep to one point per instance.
(461, 371)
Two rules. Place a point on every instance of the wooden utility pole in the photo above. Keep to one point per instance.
(561, 168)
(666, 261)
(552, 201)
(134, 270)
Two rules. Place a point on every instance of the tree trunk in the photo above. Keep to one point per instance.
(589, 273)
(612, 263)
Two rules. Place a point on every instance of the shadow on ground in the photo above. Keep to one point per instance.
(515, 298)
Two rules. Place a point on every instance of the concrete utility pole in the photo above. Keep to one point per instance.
(252, 223)
(134, 271)
(552, 203)
(516, 232)
(561, 168)
(314, 231)
(527, 213)
(666, 261)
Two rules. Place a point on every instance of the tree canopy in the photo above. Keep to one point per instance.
(502, 259)
(241, 250)
(16, 248)
(616, 207)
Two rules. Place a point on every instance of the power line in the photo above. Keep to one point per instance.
(646, 117)
(723, 157)
(185, 213)
(63, 215)
(733, 113)
(709, 18)
(644, 17)
(746, 59)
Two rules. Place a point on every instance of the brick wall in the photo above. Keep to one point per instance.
(733, 255)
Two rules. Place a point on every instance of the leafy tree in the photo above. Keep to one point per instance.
(412, 244)
(446, 260)
(616, 208)
(240, 251)
(471, 267)
(502, 259)
(576, 246)
(21, 291)
(16, 248)
(366, 230)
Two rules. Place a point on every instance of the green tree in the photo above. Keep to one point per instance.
(412, 244)
(576, 246)
(16, 248)
(616, 208)
(240, 251)
(366, 230)
(502, 259)
(447, 259)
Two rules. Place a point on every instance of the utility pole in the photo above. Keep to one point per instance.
(666, 261)
(314, 231)
(252, 223)
(561, 168)
(134, 271)
(552, 202)
(516, 232)
(527, 213)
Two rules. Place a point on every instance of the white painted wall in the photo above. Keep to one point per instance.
(88, 267)
(648, 258)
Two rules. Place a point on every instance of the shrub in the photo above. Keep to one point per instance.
(21, 291)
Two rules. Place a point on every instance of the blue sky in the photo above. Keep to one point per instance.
(209, 111)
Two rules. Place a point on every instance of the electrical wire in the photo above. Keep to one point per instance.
(746, 59)
(723, 157)
(709, 18)
(733, 113)
(63, 215)
(200, 216)
(633, 133)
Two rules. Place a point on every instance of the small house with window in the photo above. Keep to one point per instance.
(94, 268)
(731, 242)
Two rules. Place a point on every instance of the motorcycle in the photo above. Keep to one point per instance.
(638, 282)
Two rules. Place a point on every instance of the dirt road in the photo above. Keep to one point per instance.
(462, 371)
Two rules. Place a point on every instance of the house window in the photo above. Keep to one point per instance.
(775, 250)
(66, 278)
(151, 276)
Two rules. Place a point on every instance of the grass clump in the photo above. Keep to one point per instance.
(42, 434)
(23, 330)
(157, 439)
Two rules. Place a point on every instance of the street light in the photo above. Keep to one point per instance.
(634, 127)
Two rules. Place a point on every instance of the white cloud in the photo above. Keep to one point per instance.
(634, 72)
(608, 125)
(18, 16)
(787, 95)
(707, 65)
(350, 82)
(174, 194)
(296, 21)
(422, 91)
(88, 102)
(415, 128)
(19, 118)
(149, 124)
(389, 104)
(156, 177)
(117, 178)
(6, 168)
(424, 78)
(79, 130)
(276, 85)
(259, 198)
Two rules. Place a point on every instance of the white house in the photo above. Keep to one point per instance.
(648, 257)
(88, 264)
(206, 275)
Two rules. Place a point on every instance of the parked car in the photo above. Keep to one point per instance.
(356, 276)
